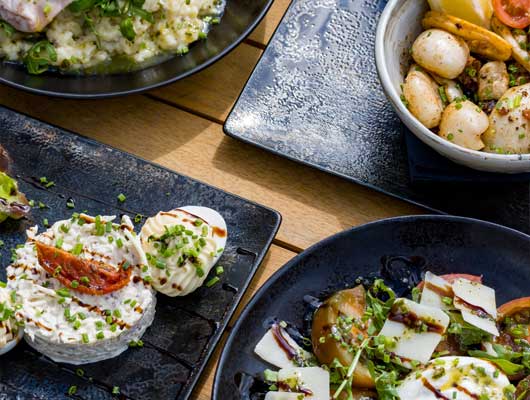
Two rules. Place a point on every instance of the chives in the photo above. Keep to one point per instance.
(121, 198)
(85, 338)
(212, 281)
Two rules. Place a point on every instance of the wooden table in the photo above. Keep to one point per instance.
(180, 127)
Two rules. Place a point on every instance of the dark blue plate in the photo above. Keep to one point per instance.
(389, 248)
(186, 329)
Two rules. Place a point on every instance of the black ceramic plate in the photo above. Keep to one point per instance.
(388, 248)
(240, 18)
(315, 98)
(185, 330)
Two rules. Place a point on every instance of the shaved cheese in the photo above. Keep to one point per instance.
(311, 380)
(270, 351)
(477, 304)
(433, 286)
(284, 396)
(413, 343)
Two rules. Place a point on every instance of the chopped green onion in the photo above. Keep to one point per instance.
(212, 281)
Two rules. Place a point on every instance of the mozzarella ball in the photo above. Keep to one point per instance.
(441, 52)
(509, 130)
(463, 123)
(423, 100)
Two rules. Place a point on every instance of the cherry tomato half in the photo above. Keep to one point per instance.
(514, 318)
(514, 13)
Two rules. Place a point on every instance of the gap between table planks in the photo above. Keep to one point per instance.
(180, 127)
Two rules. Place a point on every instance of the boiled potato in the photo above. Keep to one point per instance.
(346, 303)
(423, 100)
(440, 52)
(463, 123)
(509, 123)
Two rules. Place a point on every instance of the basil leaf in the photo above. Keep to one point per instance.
(8, 29)
(127, 29)
(39, 57)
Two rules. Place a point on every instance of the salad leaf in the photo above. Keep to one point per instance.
(507, 366)
(466, 334)
(13, 203)
(386, 381)
(39, 57)
(379, 301)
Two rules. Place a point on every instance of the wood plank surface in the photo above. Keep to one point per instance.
(213, 92)
(266, 28)
(275, 259)
(314, 204)
(180, 127)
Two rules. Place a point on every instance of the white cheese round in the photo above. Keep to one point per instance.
(81, 328)
(10, 332)
(459, 378)
(182, 246)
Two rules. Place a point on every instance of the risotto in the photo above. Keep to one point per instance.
(111, 35)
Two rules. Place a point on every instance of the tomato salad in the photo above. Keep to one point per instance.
(447, 340)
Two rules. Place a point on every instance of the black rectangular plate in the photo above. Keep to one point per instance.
(315, 98)
(187, 329)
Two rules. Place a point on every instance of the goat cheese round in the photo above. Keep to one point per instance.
(72, 326)
(10, 332)
(182, 246)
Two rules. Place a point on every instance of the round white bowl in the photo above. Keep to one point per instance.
(399, 25)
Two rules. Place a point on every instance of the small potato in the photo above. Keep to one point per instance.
(493, 80)
(463, 123)
(423, 99)
(509, 130)
(441, 52)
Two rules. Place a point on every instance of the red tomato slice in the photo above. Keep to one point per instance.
(513, 307)
(514, 13)
(453, 277)
(90, 277)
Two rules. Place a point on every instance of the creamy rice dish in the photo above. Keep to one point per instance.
(97, 36)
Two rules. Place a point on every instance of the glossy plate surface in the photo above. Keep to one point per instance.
(186, 329)
(240, 18)
(315, 98)
(437, 243)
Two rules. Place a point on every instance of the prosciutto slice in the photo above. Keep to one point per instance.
(31, 15)
(90, 276)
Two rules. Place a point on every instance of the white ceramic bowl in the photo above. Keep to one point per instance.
(399, 25)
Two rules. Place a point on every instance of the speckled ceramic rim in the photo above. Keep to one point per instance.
(424, 134)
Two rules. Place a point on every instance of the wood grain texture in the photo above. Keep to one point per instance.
(314, 204)
(266, 28)
(213, 91)
(276, 257)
